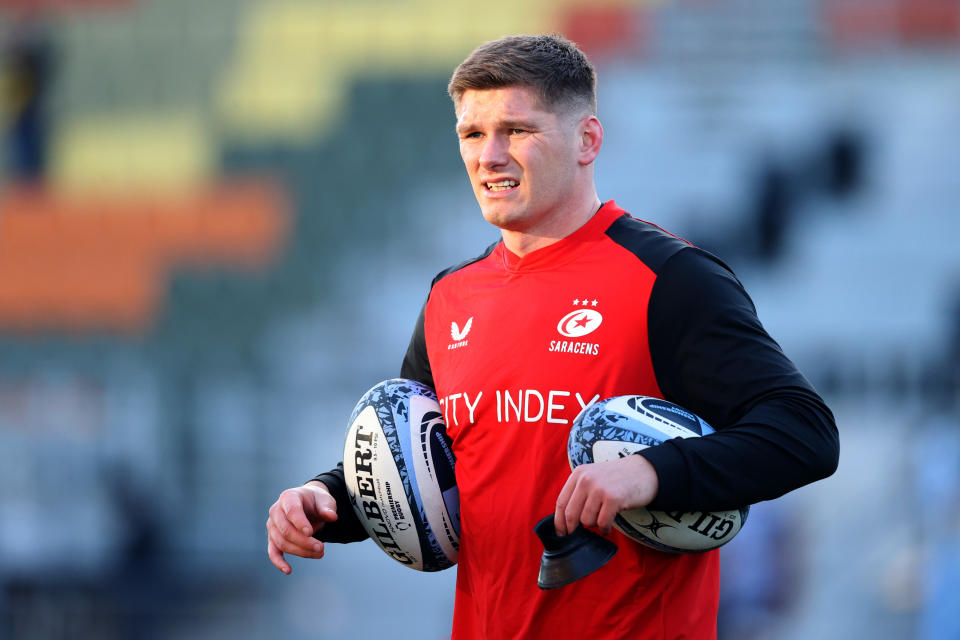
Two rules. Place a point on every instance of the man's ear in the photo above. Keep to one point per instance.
(590, 139)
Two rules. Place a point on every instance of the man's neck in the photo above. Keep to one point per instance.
(521, 243)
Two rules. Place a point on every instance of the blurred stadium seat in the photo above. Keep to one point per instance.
(101, 262)
(886, 23)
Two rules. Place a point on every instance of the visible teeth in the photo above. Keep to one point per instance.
(503, 184)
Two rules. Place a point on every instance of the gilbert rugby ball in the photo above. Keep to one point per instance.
(399, 470)
(620, 426)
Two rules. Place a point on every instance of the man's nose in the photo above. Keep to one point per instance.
(494, 152)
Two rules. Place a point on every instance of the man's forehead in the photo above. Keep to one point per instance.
(506, 102)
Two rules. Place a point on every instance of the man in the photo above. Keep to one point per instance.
(666, 319)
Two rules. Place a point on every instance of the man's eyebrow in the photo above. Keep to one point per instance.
(502, 124)
(518, 124)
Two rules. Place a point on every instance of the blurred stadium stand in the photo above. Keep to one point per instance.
(242, 205)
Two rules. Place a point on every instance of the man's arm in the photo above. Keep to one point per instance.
(303, 518)
(347, 527)
(712, 356)
(416, 362)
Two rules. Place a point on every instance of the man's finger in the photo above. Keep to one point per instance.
(288, 539)
(574, 508)
(277, 558)
(298, 518)
(559, 515)
(591, 510)
(291, 504)
(298, 545)
(325, 507)
(606, 516)
(284, 527)
(319, 507)
(329, 514)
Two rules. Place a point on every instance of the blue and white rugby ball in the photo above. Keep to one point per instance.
(618, 427)
(399, 470)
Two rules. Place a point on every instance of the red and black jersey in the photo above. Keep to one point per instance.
(516, 346)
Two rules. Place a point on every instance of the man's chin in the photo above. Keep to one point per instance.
(508, 220)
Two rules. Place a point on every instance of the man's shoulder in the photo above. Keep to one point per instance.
(651, 244)
(463, 265)
(655, 247)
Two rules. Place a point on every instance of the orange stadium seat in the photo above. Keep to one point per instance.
(62, 4)
(857, 23)
(102, 262)
(605, 30)
(929, 21)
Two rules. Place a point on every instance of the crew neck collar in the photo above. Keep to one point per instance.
(559, 250)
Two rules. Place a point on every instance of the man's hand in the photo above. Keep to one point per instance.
(595, 493)
(296, 515)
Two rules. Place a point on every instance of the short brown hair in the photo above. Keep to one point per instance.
(550, 64)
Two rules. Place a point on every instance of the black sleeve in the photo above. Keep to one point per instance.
(712, 356)
(347, 527)
(416, 364)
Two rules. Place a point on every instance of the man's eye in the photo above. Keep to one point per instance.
(517, 132)
(472, 134)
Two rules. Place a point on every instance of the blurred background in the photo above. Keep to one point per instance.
(219, 218)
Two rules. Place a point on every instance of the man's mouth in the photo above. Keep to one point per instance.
(502, 185)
